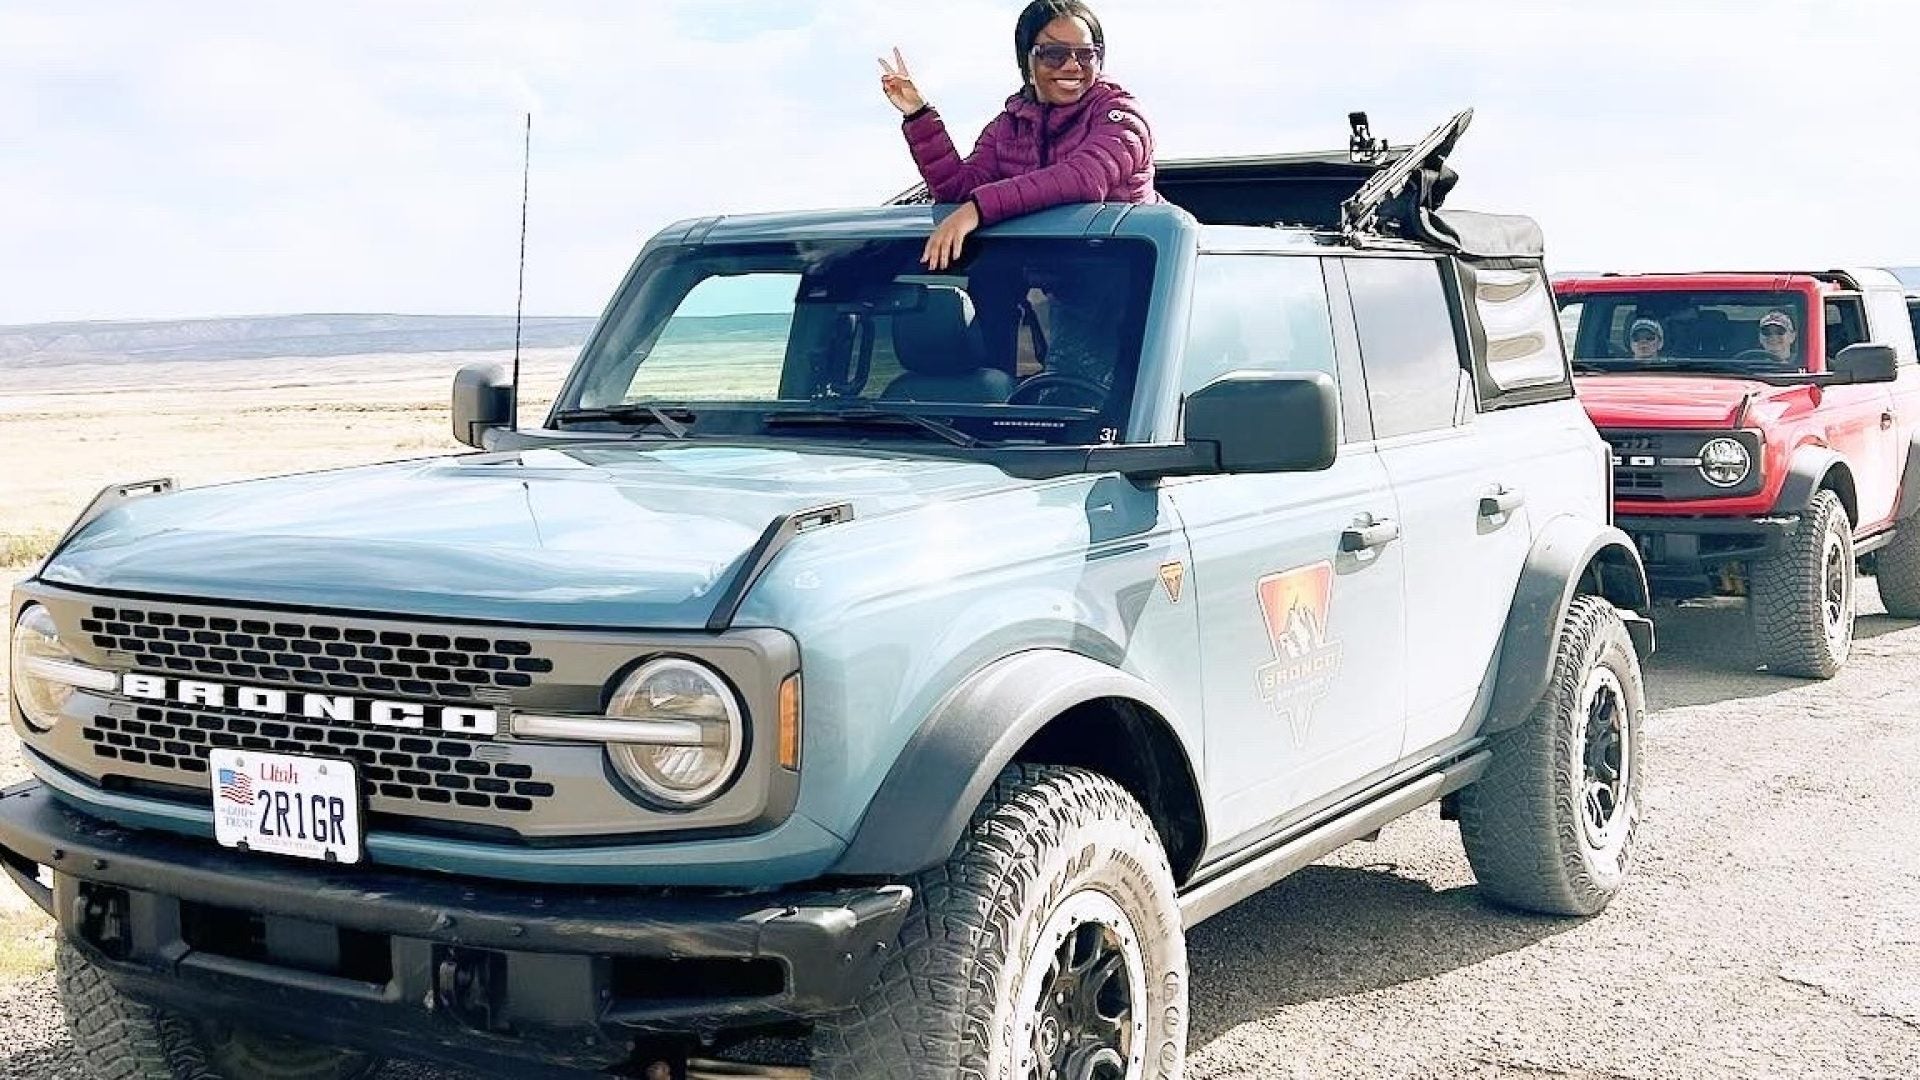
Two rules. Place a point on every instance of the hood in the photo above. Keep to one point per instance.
(1671, 400)
(601, 535)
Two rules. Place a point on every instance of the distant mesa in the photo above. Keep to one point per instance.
(267, 336)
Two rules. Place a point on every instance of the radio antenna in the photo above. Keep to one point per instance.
(520, 292)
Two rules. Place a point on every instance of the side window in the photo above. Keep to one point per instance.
(1846, 323)
(1515, 308)
(1407, 344)
(1891, 321)
(1258, 313)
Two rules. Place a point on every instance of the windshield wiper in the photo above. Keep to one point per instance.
(1592, 369)
(872, 418)
(672, 418)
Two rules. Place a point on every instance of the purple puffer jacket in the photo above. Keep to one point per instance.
(1033, 156)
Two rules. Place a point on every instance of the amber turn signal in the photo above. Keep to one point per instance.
(790, 723)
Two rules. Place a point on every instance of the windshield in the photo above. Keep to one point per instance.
(1732, 332)
(1024, 341)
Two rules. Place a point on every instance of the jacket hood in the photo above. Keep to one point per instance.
(599, 535)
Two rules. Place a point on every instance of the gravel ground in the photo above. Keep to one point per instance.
(1772, 928)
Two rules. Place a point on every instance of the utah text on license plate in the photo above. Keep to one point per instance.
(286, 804)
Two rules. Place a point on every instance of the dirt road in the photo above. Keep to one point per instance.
(1773, 929)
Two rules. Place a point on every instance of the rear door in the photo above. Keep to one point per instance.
(1461, 492)
(1301, 639)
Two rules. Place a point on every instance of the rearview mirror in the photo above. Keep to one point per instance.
(1866, 363)
(1257, 422)
(482, 401)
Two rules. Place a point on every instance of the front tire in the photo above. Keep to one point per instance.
(120, 1039)
(1551, 826)
(1049, 943)
(1801, 601)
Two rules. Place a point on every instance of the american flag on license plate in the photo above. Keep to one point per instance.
(236, 786)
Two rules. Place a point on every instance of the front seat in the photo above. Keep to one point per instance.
(942, 354)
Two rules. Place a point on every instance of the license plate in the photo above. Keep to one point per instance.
(286, 805)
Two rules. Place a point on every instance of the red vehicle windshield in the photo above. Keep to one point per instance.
(1738, 332)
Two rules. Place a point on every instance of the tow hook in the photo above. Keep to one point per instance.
(101, 911)
(468, 985)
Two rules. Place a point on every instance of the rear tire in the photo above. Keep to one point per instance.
(1802, 601)
(1552, 824)
(118, 1038)
(1897, 569)
(1051, 933)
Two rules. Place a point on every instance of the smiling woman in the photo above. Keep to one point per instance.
(1070, 135)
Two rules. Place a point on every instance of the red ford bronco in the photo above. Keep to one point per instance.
(1764, 431)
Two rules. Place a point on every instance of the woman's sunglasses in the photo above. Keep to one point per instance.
(1056, 56)
(1773, 331)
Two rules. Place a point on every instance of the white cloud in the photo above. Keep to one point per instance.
(229, 157)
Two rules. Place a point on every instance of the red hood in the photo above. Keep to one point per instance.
(1670, 401)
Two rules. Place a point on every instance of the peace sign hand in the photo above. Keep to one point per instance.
(897, 83)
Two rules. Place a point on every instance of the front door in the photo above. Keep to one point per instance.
(1301, 636)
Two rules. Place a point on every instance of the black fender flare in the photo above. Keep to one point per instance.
(929, 796)
(1807, 473)
(1568, 553)
(1910, 480)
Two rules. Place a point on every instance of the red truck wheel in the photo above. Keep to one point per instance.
(1802, 600)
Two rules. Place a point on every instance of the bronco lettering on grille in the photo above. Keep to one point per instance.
(340, 708)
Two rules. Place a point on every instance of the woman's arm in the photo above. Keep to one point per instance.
(949, 178)
(1119, 146)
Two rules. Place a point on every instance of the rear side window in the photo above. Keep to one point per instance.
(1516, 311)
(1407, 344)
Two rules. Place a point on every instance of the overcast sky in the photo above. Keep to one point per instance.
(215, 158)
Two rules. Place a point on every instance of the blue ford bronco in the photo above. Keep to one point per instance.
(880, 665)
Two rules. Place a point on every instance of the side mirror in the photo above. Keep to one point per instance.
(1255, 422)
(482, 401)
(1866, 363)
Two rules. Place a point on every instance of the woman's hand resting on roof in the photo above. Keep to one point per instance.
(943, 247)
(897, 83)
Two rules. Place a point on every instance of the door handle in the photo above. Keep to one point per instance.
(1378, 534)
(1503, 501)
(1886, 420)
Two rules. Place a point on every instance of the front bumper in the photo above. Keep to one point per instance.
(437, 967)
(1683, 555)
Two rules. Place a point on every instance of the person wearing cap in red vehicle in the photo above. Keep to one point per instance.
(1779, 338)
(1646, 338)
(1071, 135)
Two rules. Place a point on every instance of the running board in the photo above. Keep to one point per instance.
(1221, 893)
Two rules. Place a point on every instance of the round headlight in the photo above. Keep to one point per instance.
(698, 768)
(34, 638)
(1725, 462)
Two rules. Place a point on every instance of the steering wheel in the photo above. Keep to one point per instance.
(1755, 356)
(1033, 391)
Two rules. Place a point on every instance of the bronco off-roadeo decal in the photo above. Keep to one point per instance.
(294, 704)
(1294, 604)
(1171, 575)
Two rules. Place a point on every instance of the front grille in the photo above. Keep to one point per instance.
(410, 773)
(422, 665)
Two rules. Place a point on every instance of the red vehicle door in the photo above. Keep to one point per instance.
(1860, 421)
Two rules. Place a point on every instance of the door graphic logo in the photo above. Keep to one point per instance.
(1294, 604)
